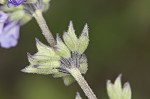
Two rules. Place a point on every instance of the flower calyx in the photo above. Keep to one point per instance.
(57, 60)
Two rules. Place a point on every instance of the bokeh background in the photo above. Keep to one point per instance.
(119, 43)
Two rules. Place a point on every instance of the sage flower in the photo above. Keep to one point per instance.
(22, 7)
(9, 31)
(67, 53)
(10, 34)
(11, 19)
(15, 2)
(116, 91)
(3, 19)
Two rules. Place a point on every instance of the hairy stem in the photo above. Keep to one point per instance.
(45, 30)
(82, 82)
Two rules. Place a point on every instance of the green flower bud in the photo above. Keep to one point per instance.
(83, 40)
(45, 61)
(46, 50)
(116, 91)
(61, 58)
(70, 38)
(61, 49)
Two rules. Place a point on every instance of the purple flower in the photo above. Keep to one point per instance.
(9, 31)
(15, 2)
(3, 18)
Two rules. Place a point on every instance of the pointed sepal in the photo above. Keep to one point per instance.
(70, 38)
(83, 41)
(116, 91)
(45, 61)
(61, 49)
(33, 69)
(83, 64)
(126, 91)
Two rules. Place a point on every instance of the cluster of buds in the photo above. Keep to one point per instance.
(58, 60)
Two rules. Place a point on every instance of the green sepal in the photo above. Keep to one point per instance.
(70, 38)
(126, 91)
(110, 90)
(118, 86)
(116, 91)
(45, 61)
(33, 69)
(61, 49)
(83, 64)
(83, 40)
(17, 15)
(26, 18)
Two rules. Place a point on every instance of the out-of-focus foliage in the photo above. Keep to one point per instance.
(119, 32)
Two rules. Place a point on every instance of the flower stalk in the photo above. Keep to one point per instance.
(69, 52)
(43, 25)
(82, 82)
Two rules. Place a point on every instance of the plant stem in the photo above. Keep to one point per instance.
(82, 82)
(73, 71)
(45, 30)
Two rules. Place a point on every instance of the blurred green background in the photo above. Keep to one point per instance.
(119, 43)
